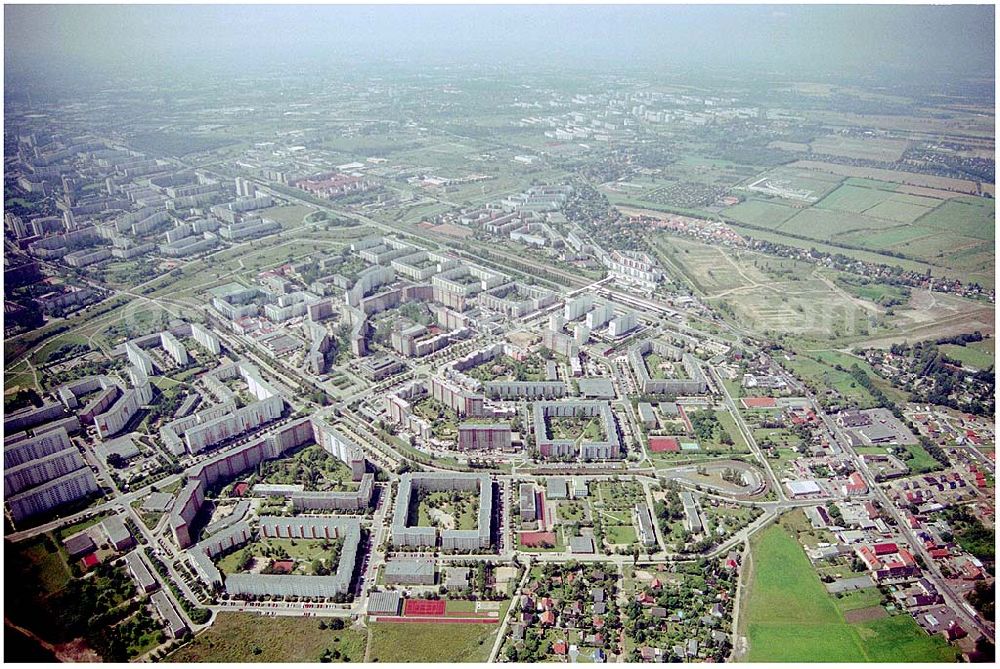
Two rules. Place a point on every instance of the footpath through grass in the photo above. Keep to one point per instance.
(791, 618)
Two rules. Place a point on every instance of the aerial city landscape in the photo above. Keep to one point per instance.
(470, 340)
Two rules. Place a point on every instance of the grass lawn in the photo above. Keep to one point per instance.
(572, 511)
(300, 550)
(430, 642)
(921, 462)
(790, 617)
(859, 599)
(464, 512)
(825, 377)
(243, 637)
(620, 534)
(460, 606)
(900, 639)
(70, 530)
(729, 425)
(977, 354)
(289, 215)
(56, 345)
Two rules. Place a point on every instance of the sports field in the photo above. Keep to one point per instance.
(424, 607)
(789, 616)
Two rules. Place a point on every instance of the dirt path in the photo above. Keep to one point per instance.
(73, 651)
(741, 643)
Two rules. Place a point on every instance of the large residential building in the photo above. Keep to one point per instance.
(528, 502)
(206, 338)
(139, 358)
(175, 348)
(38, 471)
(608, 447)
(666, 385)
(52, 494)
(644, 524)
(404, 534)
(634, 267)
(230, 464)
(121, 412)
(33, 448)
(516, 299)
(484, 437)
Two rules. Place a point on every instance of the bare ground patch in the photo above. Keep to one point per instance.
(866, 614)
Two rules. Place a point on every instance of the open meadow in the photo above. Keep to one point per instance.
(245, 637)
(789, 617)
(431, 642)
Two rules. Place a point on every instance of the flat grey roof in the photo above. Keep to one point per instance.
(581, 545)
(406, 566)
(600, 387)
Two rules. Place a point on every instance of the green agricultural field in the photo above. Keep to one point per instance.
(432, 642)
(853, 199)
(860, 254)
(878, 203)
(789, 616)
(825, 225)
(871, 183)
(865, 148)
(902, 208)
(243, 637)
(761, 213)
(967, 216)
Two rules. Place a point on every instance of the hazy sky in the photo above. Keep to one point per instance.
(953, 40)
